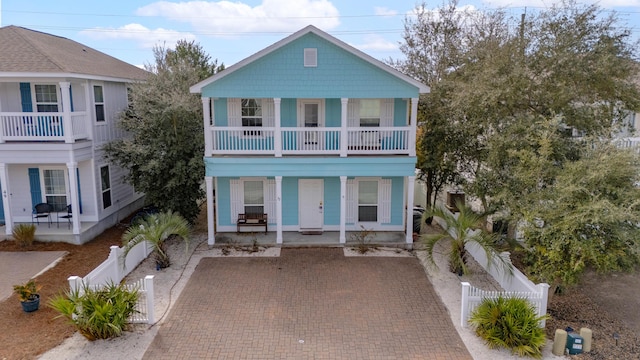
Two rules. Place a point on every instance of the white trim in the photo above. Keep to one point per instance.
(336, 228)
(8, 76)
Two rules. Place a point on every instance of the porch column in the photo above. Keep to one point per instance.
(278, 209)
(6, 199)
(414, 127)
(66, 111)
(411, 180)
(343, 209)
(344, 134)
(75, 203)
(87, 99)
(211, 237)
(277, 136)
(206, 115)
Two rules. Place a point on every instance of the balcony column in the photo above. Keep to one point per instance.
(6, 199)
(278, 209)
(66, 111)
(206, 115)
(211, 236)
(72, 169)
(344, 134)
(414, 127)
(277, 136)
(411, 181)
(88, 118)
(343, 209)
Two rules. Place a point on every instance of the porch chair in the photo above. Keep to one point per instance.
(65, 215)
(42, 210)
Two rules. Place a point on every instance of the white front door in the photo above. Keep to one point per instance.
(311, 203)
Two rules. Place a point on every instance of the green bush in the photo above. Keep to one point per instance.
(511, 323)
(97, 314)
(24, 234)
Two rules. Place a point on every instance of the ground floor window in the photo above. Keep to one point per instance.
(105, 180)
(368, 201)
(253, 197)
(55, 190)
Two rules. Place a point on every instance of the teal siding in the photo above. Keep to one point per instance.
(289, 201)
(333, 112)
(339, 74)
(25, 96)
(223, 200)
(332, 201)
(34, 186)
(288, 113)
(220, 112)
(400, 114)
(397, 200)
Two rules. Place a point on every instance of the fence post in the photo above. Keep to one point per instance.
(148, 285)
(543, 288)
(464, 301)
(114, 264)
(75, 283)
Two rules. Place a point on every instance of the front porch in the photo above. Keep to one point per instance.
(395, 239)
(59, 232)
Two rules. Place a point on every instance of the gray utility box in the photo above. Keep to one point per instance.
(574, 344)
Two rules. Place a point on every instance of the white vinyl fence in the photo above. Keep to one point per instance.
(114, 269)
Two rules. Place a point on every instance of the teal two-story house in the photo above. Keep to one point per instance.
(312, 135)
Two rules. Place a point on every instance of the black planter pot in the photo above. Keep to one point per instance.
(31, 305)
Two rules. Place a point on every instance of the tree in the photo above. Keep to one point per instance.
(164, 152)
(156, 229)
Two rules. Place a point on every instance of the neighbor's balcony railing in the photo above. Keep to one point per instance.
(313, 141)
(21, 126)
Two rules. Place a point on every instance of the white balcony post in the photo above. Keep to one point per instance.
(149, 295)
(411, 180)
(6, 199)
(343, 209)
(464, 303)
(89, 118)
(73, 190)
(413, 127)
(277, 136)
(344, 143)
(66, 111)
(211, 236)
(206, 115)
(278, 209)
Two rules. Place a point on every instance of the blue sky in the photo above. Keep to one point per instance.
(232, 30)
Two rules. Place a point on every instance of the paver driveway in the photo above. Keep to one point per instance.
(308, 304)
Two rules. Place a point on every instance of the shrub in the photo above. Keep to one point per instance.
(97, 314)
(24, 234)
(511, 323)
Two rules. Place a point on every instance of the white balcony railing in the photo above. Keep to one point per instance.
(50, 126)
(318, 141)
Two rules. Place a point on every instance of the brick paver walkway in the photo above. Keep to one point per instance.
(308, 304)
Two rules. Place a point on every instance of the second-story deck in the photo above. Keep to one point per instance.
(43, 126)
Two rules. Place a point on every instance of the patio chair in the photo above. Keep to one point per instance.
(42, 210)
(65, 215)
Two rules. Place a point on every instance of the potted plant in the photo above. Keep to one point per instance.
(28, 295)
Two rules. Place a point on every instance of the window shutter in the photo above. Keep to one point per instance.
(352, 203)
(79, 194)
(237, 200)
(384, 201)
(234, 113)
(270, 200)
(386, 113)
(353, 113)
(268, 113)
(25, 95)
(34, 186)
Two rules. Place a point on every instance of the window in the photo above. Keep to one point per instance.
(46, 98)
(251, 115)
(368, 201)
(98, 99)
(310, 57)
(105, 179)
(55, 190)
(253, 197)
(369, 113)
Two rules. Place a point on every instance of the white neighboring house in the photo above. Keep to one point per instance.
(59, 103)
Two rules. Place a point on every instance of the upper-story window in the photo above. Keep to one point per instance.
(98, 100)
(369, 112)
(46, 98)
(251, 110)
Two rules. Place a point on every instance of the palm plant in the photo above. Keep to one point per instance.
(464, 229)
(156, 229)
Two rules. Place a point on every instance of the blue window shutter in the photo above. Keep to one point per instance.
(34, 185)
(79, 195)
(25, 95)
(71, 97)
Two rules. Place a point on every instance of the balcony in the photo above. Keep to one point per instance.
(309, 141)
(42, 126)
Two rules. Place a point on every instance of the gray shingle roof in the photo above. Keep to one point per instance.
(25, 50)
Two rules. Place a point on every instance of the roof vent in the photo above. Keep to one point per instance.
(310, 57)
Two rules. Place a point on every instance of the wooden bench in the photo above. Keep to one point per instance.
(251, 220)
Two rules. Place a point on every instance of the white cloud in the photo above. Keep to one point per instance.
(550, 3)
(379, 10)
(376, 43)
(146, 37)
(224, 18)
